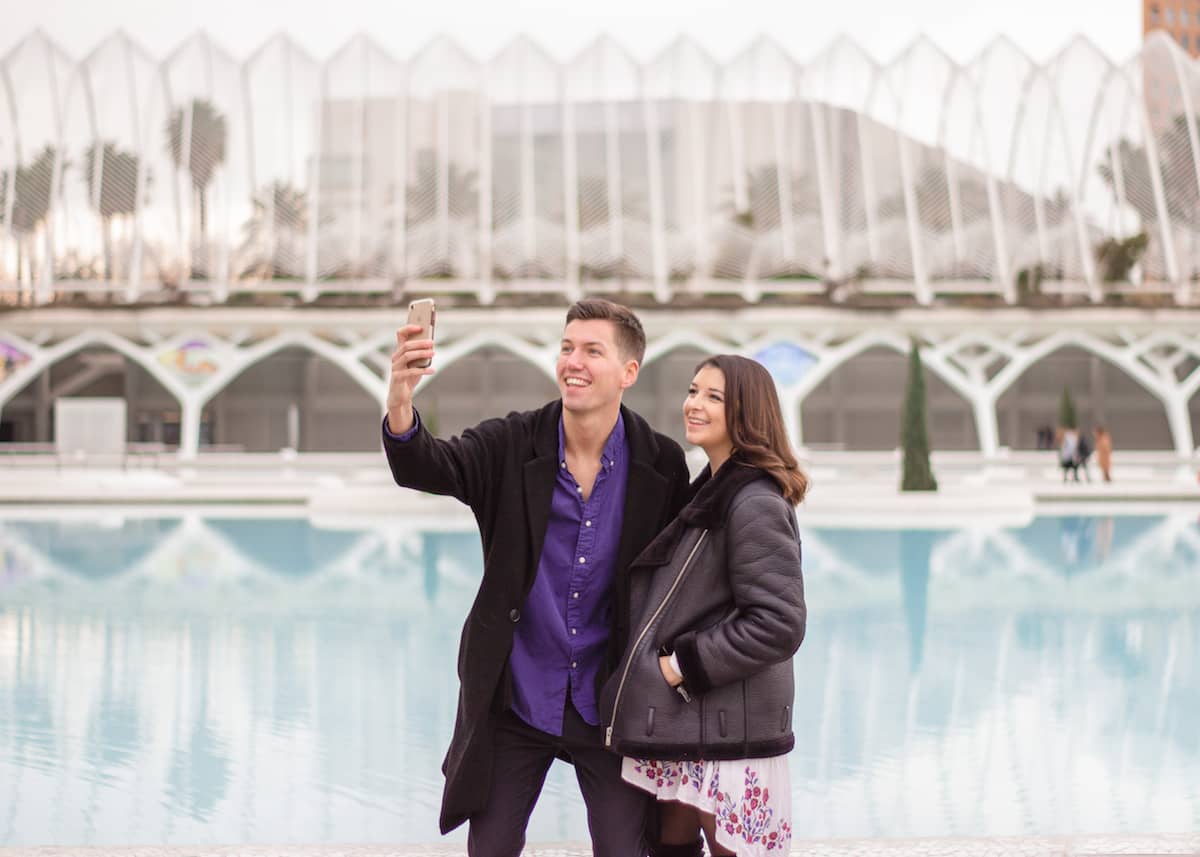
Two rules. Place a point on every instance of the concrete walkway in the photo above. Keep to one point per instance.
(848, 488)
(1024, 846)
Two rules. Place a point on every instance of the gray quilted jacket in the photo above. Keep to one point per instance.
(721, 587)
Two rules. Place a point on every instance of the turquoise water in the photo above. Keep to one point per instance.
(216, 679)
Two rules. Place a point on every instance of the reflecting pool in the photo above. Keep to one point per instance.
(214, 678)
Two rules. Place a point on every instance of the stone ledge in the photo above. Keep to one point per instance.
(1147, 845)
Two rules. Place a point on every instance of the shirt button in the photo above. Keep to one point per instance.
(514, 614)
(582, 560)
(563, 464)
(579, 488)
(574, 594)
(574, 631)
(587, 523)
(572, 665)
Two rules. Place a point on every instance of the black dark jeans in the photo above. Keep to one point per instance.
(617, 812)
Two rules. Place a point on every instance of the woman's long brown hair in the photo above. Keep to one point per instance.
(754, 421)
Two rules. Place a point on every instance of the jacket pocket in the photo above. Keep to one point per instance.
(723, 715)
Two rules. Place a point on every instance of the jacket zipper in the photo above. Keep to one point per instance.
(650, 624)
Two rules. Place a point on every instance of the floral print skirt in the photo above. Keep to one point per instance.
(750, 798)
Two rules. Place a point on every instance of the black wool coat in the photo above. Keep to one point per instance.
(505, 470)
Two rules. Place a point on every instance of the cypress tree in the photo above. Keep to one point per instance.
(914, 433)
(1066, 411)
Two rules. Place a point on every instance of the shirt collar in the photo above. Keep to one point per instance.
(613, 447)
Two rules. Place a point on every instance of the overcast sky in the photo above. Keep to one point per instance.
(884, 27)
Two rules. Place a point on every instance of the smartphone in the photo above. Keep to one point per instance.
(424, 314)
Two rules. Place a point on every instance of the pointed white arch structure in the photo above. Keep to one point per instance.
(366, 172)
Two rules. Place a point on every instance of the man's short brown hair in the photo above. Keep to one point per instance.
(631, 338)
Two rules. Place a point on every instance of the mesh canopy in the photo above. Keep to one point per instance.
(130, 170)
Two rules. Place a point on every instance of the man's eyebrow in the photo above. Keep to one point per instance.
(599, 342)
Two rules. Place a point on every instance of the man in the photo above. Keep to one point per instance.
(565, 497)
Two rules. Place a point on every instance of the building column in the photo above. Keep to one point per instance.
(189, 429)
(790, 403)
(1012, 418)
(308, 402)
(838, 401)
(216, 412)
(1096, 383)
(42, 402)
(987, 427)
(1180, 422)
(131, 397)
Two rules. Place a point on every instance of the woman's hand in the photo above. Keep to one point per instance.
(673, 678)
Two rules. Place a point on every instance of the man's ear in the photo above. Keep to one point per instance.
(630, 376)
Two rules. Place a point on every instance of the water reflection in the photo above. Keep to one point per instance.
(215, 679)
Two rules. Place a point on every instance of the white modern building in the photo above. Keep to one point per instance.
(227, 242)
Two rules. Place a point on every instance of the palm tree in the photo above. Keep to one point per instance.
(205, 147)
(112, 182)
(275, 233)
(1180, 193)
(32, 187)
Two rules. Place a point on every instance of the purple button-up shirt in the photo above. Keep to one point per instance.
(561, 639)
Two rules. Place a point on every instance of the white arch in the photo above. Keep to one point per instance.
(921, 275)
(1056, 112)
(932, 358)
(684, 339)
(236, 361)
(541, 359)
(830, 360)
(1169, 394)
(43, 358)
(1190, 385)
(240, 360)
(1027, 357)
(960, 77)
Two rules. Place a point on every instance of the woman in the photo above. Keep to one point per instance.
(1068, 452)
(701, 705)
(1104, 452)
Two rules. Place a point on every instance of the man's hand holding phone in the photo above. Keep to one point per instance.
(410, 363)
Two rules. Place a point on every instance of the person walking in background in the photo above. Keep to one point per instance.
(565, 497)
(701, 706)
(1104, 452)
(1068, 451)
(1083, 451)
